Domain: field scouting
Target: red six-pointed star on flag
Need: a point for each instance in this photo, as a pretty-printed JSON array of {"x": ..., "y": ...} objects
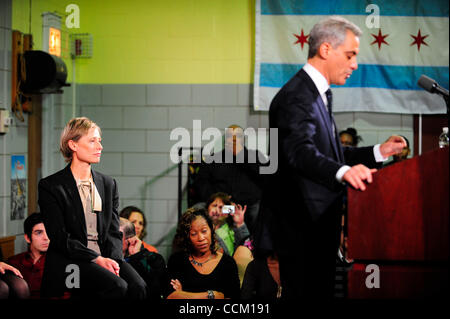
[
  {"x": 419, "y": 40},
  {"x": 302, "y": 38},
  {"x": 379, "y": 39}
]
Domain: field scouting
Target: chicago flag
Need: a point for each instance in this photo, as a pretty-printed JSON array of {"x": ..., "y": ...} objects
[{"x": 401, "y": 40}]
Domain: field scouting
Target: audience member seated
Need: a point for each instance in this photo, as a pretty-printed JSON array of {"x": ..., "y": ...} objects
[
  {"x": 240, "y": 179},
  {"x": 402, "y": 156},
  {"x": 199, "y": 270},
  {"x": 350, "y": 137},
  {"x": 149, "y": 265},
  {"x": 230, "y": 229},
  {"x": 137, "y": 217},
  {"x": 31, "y": 263},
  {"x": 12, "y": 284},
  {"x": 262, "y": 278}
]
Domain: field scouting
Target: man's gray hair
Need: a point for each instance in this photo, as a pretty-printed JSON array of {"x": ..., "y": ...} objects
[
  {"x": 332, "y": 30},
  {"x": 127, "y": 228}
]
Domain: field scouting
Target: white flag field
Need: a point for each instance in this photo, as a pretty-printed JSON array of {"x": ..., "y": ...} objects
[{"x": 401, "y": 40}]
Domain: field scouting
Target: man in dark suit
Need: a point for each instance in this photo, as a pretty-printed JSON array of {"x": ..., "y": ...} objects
[{"x": 306, "y": 192}]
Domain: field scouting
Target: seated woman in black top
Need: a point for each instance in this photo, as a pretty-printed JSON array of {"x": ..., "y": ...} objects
[{"x": 199, "y": 271}]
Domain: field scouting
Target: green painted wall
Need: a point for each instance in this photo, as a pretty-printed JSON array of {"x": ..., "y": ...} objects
[{"x": 154, "y": 41}]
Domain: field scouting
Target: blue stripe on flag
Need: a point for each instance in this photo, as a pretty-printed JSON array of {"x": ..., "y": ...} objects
[
  {"x": 431, "y": 8},
  {"x": 368, "y": 75}
]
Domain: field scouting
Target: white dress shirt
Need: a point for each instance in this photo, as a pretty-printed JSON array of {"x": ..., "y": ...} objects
[{"x": 322, "y": 86}]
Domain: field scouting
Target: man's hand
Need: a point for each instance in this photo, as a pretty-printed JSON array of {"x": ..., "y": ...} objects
[
  {"x": 134, "y": 245},
  {"x": 393, "y": 145},
  {"x": 357, "y": 174},
  {"x": 108, "y": 264}
]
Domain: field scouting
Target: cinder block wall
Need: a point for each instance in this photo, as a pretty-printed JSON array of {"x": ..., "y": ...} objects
[
  {"x": 136, "y": 121},
  {"x": 15, "y": 141},
  {"x": 377, "y": 127}
]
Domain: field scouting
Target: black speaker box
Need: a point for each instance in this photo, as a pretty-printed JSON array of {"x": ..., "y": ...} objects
[{"x": 40, "y": 72}]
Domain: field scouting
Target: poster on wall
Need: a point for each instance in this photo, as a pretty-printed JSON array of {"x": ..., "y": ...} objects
[{"x": 18, "y": 186}]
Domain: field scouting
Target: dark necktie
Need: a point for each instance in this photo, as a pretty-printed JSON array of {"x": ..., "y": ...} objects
[
  {"x": 330, "y": 102},
  {"x": 330, "y": 110}
]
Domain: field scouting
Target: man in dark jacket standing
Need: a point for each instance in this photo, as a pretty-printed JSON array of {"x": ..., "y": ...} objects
[
  {"x": 306, "y": 192},
  {"x": 237, "y": 174}
]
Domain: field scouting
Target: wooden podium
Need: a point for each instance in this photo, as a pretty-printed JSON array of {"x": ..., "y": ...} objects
[{"x": 401, "y": 224}]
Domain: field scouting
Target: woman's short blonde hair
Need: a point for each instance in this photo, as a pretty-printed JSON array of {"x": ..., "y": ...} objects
[{"x": 74, "y": 130}]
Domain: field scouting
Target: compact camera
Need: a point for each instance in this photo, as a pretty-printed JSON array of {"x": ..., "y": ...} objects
[{"x": 228, "y": 209}]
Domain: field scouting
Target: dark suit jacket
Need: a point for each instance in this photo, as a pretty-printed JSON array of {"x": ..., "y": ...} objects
[
  {"x": 305, "y": 184},
  {"x": 64, "y": 220}
]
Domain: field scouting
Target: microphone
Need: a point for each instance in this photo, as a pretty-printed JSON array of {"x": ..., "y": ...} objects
[{"x": 431, "y": 86}]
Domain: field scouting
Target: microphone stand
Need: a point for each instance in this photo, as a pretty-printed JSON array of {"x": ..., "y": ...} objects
[
  {"x": 446, "y": 102},
  {"x": 448, "y": 109},
  {"x": 444, "y": 93}
]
